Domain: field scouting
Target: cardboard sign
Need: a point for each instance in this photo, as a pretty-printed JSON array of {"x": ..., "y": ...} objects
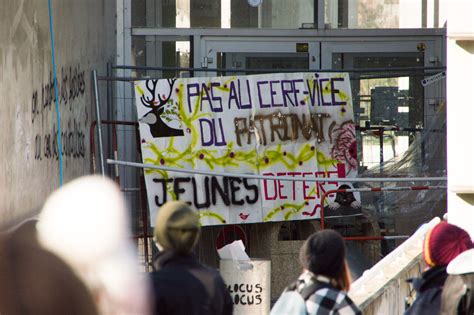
[
  {"x": 297, "y": 125},
  {"x": 249, "y": 285}
]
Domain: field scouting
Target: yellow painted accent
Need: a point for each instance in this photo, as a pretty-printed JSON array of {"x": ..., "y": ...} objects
[
  {"x": 426, "y": 249},
  {"x": 139, "y": 89},
  {"x": 203, "y": 214}
]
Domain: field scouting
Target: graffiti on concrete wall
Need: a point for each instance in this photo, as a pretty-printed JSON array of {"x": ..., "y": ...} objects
[{"x": 74, "y": 115}]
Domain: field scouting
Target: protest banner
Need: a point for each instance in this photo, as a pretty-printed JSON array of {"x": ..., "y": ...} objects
[{"x": 290, "y": 124}]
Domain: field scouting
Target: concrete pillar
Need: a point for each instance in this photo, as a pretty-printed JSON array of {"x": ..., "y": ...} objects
[{"x": 460, "y": 113}]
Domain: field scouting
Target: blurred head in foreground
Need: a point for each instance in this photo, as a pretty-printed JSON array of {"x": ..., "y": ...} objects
[{"x": 86, "y": 223}]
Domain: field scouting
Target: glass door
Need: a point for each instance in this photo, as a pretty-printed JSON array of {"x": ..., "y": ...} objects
[
  {"x": 400, "y": 122},
  {"x": 250, "y": 62},
  {"x": 257, "y": 53},
  {"x": 390, "y": 104}
]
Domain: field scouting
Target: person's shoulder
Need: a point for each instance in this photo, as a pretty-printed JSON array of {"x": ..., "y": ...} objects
[
  {"x": 347, "y": 306},
  {"x": 166, "y": 277},
  {"x": 329, "y": 299},
  {"x": 160, "y": 277}
]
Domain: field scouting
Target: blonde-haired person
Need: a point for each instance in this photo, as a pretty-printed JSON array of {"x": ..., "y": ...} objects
[
  {"x": 183, "y": 285},
  {"x": 323, "y": 258}
]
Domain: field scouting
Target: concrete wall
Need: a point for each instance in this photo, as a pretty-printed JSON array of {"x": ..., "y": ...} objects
[
  {"x": 396, "y": 292},
  {"x": 460, "y": 114},
  {"x": 84, "y": 36}
]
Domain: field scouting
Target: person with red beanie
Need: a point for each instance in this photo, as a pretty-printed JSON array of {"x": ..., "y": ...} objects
[{"x": 441, "y": 245}]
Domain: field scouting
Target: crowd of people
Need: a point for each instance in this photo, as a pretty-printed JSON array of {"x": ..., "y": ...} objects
[{"x": 78, "y": 257}]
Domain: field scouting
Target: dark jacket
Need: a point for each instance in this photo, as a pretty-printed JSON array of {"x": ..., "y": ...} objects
[
  {"x": 182, "y": 285},
  {"x": 428, "y": 292}
]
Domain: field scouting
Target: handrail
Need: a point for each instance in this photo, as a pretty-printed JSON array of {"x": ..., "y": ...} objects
[{"x": 373, "y": 282}]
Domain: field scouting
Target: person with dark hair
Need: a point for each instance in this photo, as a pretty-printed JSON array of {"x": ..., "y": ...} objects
[
  {"x": 441, "y": 245},
  {"x": 326, "y": 277},
  {"x": 182, "y": 285},
  {"x": 37, "y": 282}
]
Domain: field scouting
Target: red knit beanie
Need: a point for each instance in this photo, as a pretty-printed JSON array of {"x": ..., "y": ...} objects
[{"x": 443, "y": 243}]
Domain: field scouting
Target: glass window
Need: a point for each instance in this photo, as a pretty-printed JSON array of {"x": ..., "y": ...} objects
[
  {"x": 222, "y": 13},
  {"x": 155, "y": 13},
  {"x": 287, "y": 14},
  {"x": 385, "y": 13},
  {"x": 388, "y": 106},
  {"x": 263, "y": 61},
  {"x": 152, "y": 52}
]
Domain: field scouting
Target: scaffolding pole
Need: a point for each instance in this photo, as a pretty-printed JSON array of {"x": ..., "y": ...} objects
[{"x": 282, "y": 178}]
